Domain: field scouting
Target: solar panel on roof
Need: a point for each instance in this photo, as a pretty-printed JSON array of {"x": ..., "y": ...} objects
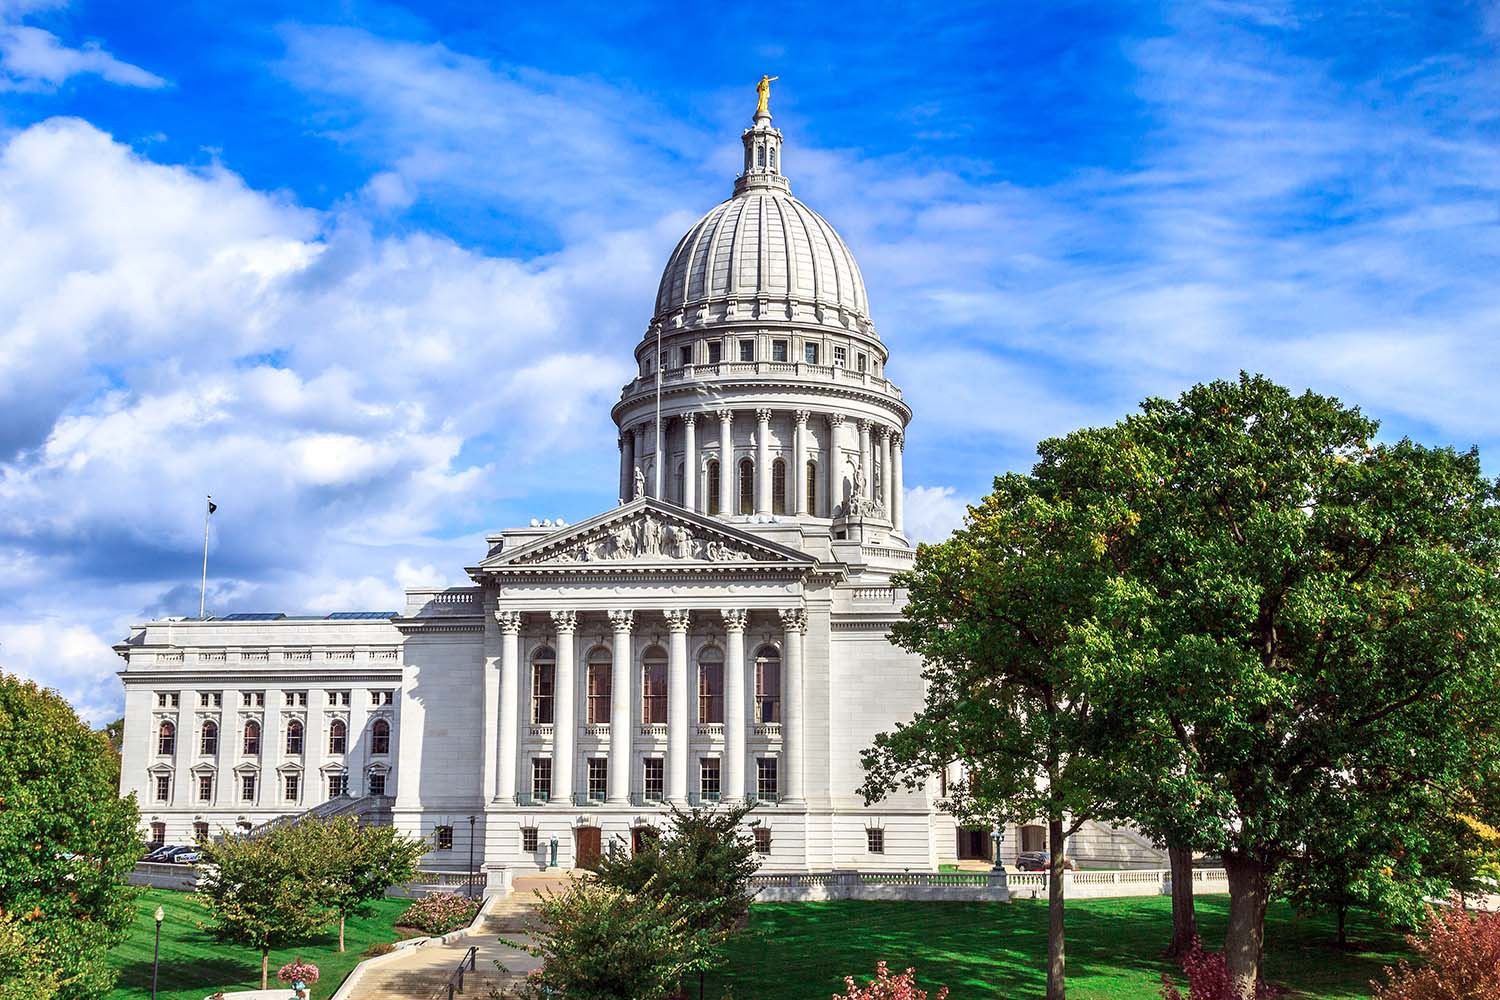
[
  {"x": 253, "y": 616},
  {"x": 351, "y": 616}
]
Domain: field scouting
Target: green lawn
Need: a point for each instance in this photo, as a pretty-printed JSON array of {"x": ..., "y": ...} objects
[
  {"x": 193, "y": 964},
  {"x": 803, "y": 950}
]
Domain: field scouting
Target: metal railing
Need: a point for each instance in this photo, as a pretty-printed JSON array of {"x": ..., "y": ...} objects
[{"x": 466, "y": 964}]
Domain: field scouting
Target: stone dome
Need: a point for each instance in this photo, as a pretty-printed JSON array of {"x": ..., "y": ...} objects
[{"x": 762, "y": 255}]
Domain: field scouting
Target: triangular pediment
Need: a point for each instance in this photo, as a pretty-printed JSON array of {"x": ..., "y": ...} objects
[{"x": 647, "y": 532}]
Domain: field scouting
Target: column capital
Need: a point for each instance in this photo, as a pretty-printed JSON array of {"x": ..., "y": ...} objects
[
  {"x": 509, "y": 622},
  {"x": 793, "y": 619},
  {"x": 690, "y": 418},
  {"x": 801, "y": 417},
  {"x": 763, "y": 415},
  {"x": 881, "y": 432},
  {"x": 898, "y": 440},
  {"x": 735, "y": 619},
  {"x": 726, "y": 415},
  {"x": 836, "y": 419},
  {"x": 621, "y": 621},
  {"x": 678, "y": 621},
  {"x": 565, "y": 621},
  {"x": 863, "y": 423}
]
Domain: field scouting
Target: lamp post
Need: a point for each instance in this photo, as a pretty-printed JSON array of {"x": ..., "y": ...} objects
[
  {"x": 997, "y": 834},
  {"x": 156, "y": 954},
  {"x": 471, "y": 857}
]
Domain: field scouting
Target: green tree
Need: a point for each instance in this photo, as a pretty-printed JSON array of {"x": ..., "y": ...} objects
[
  {"x": 357, "y": 862},
  {"x": 264, "y": 891},
  {"x": 67, "y": 839},
  {"x": 1005, "y": 616},
  {"x": 25, "y": 971},
  {"x": 1322, "y": 629}
]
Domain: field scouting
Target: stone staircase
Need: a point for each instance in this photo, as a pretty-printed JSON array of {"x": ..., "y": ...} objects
[
  {"x": 423, "y": 973},
  {"x": 374, "y": 810}
]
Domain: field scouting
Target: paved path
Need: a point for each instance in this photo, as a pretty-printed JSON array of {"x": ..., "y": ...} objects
[{"x": 423, "y": 974}]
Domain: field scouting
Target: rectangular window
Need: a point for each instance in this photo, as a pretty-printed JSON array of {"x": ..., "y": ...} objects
[
  {"x": 778, "y": 350},
  {"x": 338, "y": 698},
  {"x": 442, "y": 838},
  {"x": 200, "y": 832},
  {"x": 541, "y": 778},
  {"x": 529, "y": 839},
  {"x": 864, "y": 362},
  {"x": 599, "y": 681},
  {"x": 163, "y": 787},
  {"x": 715, "y": 352},
  {"x": 293, "y": 784},
  {"x": 654, "y": 694},
  {"x": 541, "y": 693},
  {"x": 598, "y": 786},
  {"x": 654, "y": 783},
  {"x": 840, "y": 357},
  {"x": 338, "y": 784},
  {"x": 765, "y": 779},
  {"x": 875, "y": 841},
  {"x": 205, "y": 788},
  {"x": 247, "y": 788},
  {"x": 747, "y": 350},
  {"x": 158, "y": 834},
  {"x": 253, "y": 699},
  {"x": 762, "y": 840},
  {"x": 377, "y": 782},
  {"x": 297, "y": 699},
  {"x": 207, "y": 699},
  {"x": 166, "y": 699},
  {"x": 710, "y": 693},
  {"x": 708, "y": 779},
  {"x": 810, "y": 353}
]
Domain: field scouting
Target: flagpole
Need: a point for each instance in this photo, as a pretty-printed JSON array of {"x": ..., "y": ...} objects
[{"x": 203, "y": 589}]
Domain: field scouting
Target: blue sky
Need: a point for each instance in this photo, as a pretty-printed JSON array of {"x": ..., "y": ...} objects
[{"x": 371, "y": 274}]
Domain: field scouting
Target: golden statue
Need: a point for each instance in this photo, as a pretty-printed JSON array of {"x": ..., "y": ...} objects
[{"x": 763, "y": 90}]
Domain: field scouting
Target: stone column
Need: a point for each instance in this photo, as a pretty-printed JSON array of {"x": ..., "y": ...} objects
[
  {"x": 489, "y": 774},
  {"x": 883, "y": 438},
  {"x": 620, "y": 690},
  {"x": 834, "y": 461},
  {"x": 677, "y": 706},
  {"x": 727, "y": 474},
  {"x": 314, "y": 746},
  {"x": 627, "y": 464},
  {"x": 799, "y": 462},
  {"x": 898, "y": 483},
  {"x": 793, "y": 624},
  {"x": 734, "y": 704},
  {"x": 564, "y": 720},
  {"x": 690, "y": 461},
  {"x": 763, "y": 461},
  {"x": 510, "y": 693},
  {"x": 864, "y": 457}
]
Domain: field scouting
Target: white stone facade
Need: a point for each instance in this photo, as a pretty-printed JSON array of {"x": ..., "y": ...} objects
[{"x": 720, "y": 634}]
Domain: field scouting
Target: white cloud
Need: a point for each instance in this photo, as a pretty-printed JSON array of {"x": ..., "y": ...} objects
[
  {"x": 932, "y": 513},
  {"x": 70, "y": 659},
  {"x": 34, "y": 59}
]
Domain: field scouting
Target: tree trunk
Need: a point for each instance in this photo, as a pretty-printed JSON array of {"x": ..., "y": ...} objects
[
  {"x": 265, "y": 963},
  {"x": 1184, "y": 916},
  {"x": 341, "y": 932},
  {"x": 1343, "y": 935},
  {"x": 1245, "y": 939},
  {"x": 1056, "y": 959}
]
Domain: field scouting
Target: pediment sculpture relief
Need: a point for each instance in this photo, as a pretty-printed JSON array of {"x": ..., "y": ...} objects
[{"x": 643, "y": 538}]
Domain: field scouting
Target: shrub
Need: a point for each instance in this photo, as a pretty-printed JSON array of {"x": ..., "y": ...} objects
[
  {"x": 1461, "y": 952},
  {"x": 379, "y": 948},
  {"x": 1207, "y": 975},
  {"x": 439, "y": 913},
  {"x": 887, "y": 987},
  {"x": 298, "y": 969}
]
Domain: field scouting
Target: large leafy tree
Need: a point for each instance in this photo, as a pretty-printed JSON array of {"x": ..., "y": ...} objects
[
  {"x": 1324, "y": 639},
  {"x": 67, "y": 840},
  {"x": 1005, "y": 616},
  {"x": 357, "y": 862},
  {"x": 264, "y": 891}
]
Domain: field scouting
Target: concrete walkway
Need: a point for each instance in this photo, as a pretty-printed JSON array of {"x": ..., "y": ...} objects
[{"x": 423, "y": 973}]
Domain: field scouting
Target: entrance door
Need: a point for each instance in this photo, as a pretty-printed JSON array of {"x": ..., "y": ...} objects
[
  {"x": 588, "y": 847},
  {"x": 1033, "y": 838},
  {"x": 973, "y": 845}
]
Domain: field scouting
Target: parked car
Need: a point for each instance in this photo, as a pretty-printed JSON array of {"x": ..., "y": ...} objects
[
  {"x": 1033, "y": 861},
  {"x": 160, "y": 854},
  {"x": 187, "y": 856}
]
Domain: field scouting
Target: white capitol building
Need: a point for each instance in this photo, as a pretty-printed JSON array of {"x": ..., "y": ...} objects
[{"x": 721, "y": 634}]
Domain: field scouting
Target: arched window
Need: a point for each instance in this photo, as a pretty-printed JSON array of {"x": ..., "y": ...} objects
[
  {"x": 599, "y": 666},
  {"x": 252, "y": 738},
  {"x": 710, "y": 686},
  {"x": 294, "y": 737},
  {"x": 760, "y": 156},
  {"x": 166, "y": 739},
  {"x": 680, "y": 493},
  {"x": 713, "y": 487},
  {"x": 208, "y": 740},
  {"x": 338, "y": 736},
  {"x": 543, "y": 671},
  {"x": 778, "y": 487},
  {"x": 773, "y": 157},
  {"x": 654, "y": 686},
  {"x": 812, "y": 488},
  {"x": 380, "y": 737},
  {"x": 768, "y": 684},
  {"x": 747, "y": 486},
  {"x": 878, "y": 475}
]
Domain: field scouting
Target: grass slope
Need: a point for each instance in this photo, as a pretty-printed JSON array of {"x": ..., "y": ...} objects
[
  {"x": 193, "y": 964},
  {"x": 803, "y": 950}
]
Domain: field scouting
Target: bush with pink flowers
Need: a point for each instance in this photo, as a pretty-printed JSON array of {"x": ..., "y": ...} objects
[
  {"x": 439, "y": 913},
  {"x": 1460, "y": 958},
  {"x": 888, "y": 987},
  {"x": 1207, "y": 975},
  {"x": 298, "y": 969}
]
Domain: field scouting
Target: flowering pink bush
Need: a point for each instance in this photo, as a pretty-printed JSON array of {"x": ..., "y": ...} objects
[
  {"x": 298, "y": 969},
  {"x": 1207, "y": 975},
  {"x": 1460, "y": 952},
  {"x": 439, "y": 913},
  {"x": 887, "y": 987}
]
